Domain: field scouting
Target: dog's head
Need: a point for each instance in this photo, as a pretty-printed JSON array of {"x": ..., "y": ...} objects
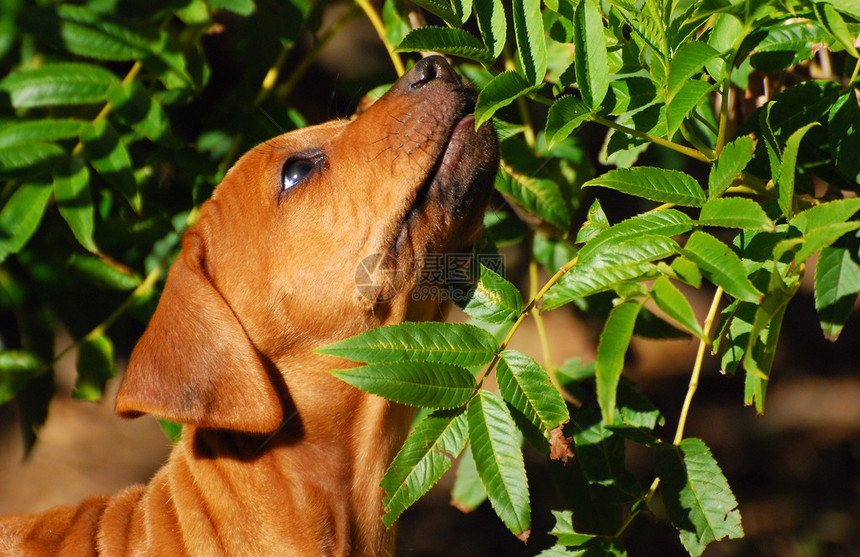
[{"x": 314, "y": 236}]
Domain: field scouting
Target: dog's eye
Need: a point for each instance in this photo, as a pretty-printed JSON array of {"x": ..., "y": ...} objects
[{"x": 295, "y": 171}]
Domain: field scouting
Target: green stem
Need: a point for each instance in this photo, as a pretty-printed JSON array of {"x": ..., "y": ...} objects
[
  {"x": 378, "y": 24},
  {"x": 653, "y": 139},
  {"x": 853, "y": 79}
]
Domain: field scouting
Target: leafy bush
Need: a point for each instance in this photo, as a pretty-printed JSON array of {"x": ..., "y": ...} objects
[{"x": 731, "y": 95}]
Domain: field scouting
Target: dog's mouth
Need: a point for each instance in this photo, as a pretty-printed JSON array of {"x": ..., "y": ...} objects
[{"x": 453, "y": 192}]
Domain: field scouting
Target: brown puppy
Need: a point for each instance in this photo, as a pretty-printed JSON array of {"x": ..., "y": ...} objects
[{"x": 278, "y": 457}]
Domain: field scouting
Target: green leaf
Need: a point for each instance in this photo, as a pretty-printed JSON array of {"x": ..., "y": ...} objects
[
  {"x": 43, "y": 129},
  {"x": 732, "y": 160},
  {"x": 837, "y": 282},
  {"x": 656, "y": 184},
  {"x": 492, "y": 24},
  {"x": 494, "y": 299},
  {"x": 661, "y": 222},
  {"x": 525, "y": 385},
  {"x": 831, "y": 212},
  {"x": 687, "y": 271},
  {"x": 830, "y": 19},
  {"x": 85, "y": 33},
  {"x": 468, "y": 492},
  {"x": 611, "y": 349},
  {"x": 455, "y": 42},
  {"x": 95, "y": 367},
  {"x": 618, "y": 263},
  {"x": 241, "y": 7},
  {"x": 590, "y": 59},
  {"x": 102, "y": 272},
  {"x": 821, "y": 237},
  {"x": 451, "y": 343},
  {"x": 136, "y": 109},
  {"x": 21, "y": 215},
  {"x": 843, "y": 134},
  {"x": 564, "y": 116},
  {"x": 72, "y": 194},
  {"x": 29, "y": 158},
  {"x": 108, "y": 155},
  {"x": 442, "y": 9},
  {"x": 565, "y": 532},
  {"x": 669, "y": 299},
  {"x": 735, "y": 212},
  {"x": 783, "y": 45},
  {"x": 425, "y": 384},
  {"x": 531, "y": 42},
  {"x": 426, "y": 454},
  {"x": 501, "y": 91},
  {"x": 697, "y": 496},
  {"x": 58, "y": 84},
  {"x": 785, "y": 180},
  {"x": 595, "y": 223},
  {"x": 499, "y": 460},
  {"x": 539, "y": 196},
  {"x": 720, "y": 265},
  {"x": 17, "y": 367},
  {"x": 687, "y": 98},
  {"x": 686, "y": 62}
]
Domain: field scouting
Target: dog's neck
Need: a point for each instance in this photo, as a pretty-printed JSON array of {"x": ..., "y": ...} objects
[{"x": 318, "y": 488}]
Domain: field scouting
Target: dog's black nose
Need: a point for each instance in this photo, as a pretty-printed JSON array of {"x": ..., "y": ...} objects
[{"x": 432, "y": 68}]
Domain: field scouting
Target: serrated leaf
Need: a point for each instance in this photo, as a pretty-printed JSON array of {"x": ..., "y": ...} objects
[
  {"x": 630, "y": 93},
  {"x": 831, "y": 212},
  {"x": 590, "y": 59},
  {"x": 564, "y": 116},
  {"x": 818, "y": 238},
  {"x": 686, "y": 271},
  {"x": 452, "y": 343},
  {"x": 735, "y": 212},
  {"x": 499, "y": 460},
  {"x": 731, "y": 162},
  {"x": 669, "y": 299},
  {"x": 425, "y": 456},
  {"x": 95, "y": 367},
  {"x": 136, "y": 109},
  {"x": 698, "y": 498},
  {"x": 686, "y": 62},
  {"x": 492, "y": 24},
  {"x": 530, "y": 39},
  {"x": 720, "y": 265},
  {"x": 539, "y": 196},
  {"x": 86, "y": 33},
  {"x": 837, "y": 282},
  {"x": 662, "y": 222},
  {"x": 657, "y": 184},
  {"x": 843, "y": 134},
  {"x": 626, "y": 261},
  {"x": 525, "y": 385},
  {"x": 17, "y": 367},
  {"x": 785, "y": 180},
  {"x": 684, "y": 101},
  {"x": 455, "y": 42},
  {"x": 501, "y": 91},
  {"x": 830, "y": 19},
  {"x": 611, "y": 349},
  {"x": 58, "y": 84},
  {"x": 108, "y": 155},
  {"x": 43, "y": 129},
  {"x": 425, "y": 384},
  {"x": 468, "y": 492},
  {"x": 72, "y": 194},
  {"x": 21, "y": 215},
  {"x": 494, "y": 299}
]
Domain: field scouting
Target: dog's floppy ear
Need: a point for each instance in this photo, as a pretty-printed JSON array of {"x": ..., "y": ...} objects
[{"x": 194, "y": 364}]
